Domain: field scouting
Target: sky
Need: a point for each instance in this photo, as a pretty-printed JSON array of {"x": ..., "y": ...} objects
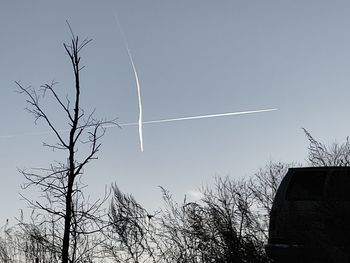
[{"x": 192, "y": 58}]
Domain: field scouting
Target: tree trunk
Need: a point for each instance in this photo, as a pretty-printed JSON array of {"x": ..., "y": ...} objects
[{"x": 67, "y": 222}]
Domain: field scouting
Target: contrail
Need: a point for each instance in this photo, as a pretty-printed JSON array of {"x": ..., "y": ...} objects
[
  {"x": 136, "y": 79},
  {"x": 151, "y": 122},
  {"x": 10, "y": 136},
  {"x": 198, "y": 117}
]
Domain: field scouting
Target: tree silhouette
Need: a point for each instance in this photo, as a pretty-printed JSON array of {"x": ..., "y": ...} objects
[{"x": 60, "y": 184}]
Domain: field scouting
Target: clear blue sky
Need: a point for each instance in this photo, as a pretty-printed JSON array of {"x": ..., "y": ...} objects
[{"x": 193, "y": 58}]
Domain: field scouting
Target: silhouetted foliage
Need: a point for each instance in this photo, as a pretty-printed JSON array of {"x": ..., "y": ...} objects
[
  {"x": 337, "y": 154},
  {"x": 263, "y": 186},
  {"x": 128, "y": 230},
  {"x": 222, "y": 227}
]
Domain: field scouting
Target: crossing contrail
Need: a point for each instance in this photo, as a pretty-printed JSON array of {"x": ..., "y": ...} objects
[
  {"x": 216, "y": 115},
  {"x": 140, "y": 121},
  {"x": 136, "y": 79}
]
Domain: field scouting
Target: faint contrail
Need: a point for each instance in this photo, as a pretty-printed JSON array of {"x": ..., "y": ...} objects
[
  {"x": 9, "y": 136},
  {"x": 136, "y": 79},
  {"x": 149, "y": 122}
]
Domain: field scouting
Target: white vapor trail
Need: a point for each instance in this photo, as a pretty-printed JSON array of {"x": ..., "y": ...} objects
[
  {"x": 216, "y": 115},
  {"x": 136, "y": 79},
  {"x": 199, "y": 117}
]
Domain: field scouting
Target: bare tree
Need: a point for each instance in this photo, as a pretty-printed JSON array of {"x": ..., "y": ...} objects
[
  {"x": 232, "y": 222},
  {"x": 131, "y": 232},
  {"x": 221, "y": 227},
  {"x": 175, "y": 230},
  {"x": 9, "y": 244},
  {"x": 337, "y": 154},
  {"x": 60, "y": 184},
  {"x": 263, "y": 185}
]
